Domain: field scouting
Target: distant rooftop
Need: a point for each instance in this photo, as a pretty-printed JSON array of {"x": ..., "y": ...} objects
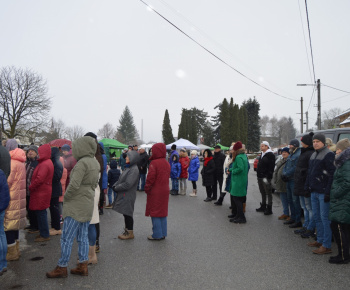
[
  {"x": 345, "y": 112},
  {"x": 346, "y": 121}
]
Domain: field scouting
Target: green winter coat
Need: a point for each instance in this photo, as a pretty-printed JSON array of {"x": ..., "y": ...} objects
[
  {"x": 339, "y": 210},
  {"x": 239, "y": 175},
  {"x": 78, "y": 200}
]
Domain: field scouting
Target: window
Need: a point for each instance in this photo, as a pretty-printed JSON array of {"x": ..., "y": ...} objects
[{"x": 343, "y": 136}]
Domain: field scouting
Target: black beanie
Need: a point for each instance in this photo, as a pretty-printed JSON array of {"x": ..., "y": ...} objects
[
  {"x": 90, "y": 134},
  {"x": 321, "y": 137},
  {"x": 173, "y": 147},
  {"x": 294, "y": 142},
  {"x": 307, "y": 139}
]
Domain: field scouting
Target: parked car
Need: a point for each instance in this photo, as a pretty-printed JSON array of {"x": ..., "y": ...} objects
[
  {"x": 334, "y": 134},
  {"x": 256, "y": 161}
]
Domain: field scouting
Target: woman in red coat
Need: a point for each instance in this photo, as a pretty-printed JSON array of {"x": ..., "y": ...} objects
[
  {"x": 157, "y": 189},
  {"x": 185, "y": 163}
]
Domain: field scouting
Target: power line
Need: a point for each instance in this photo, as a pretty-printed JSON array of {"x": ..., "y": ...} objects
[
  {"x": 214, "y": 55},
  {"x": 312, "y": 96},
  {"x": 312, "y": 55},
  {"x": 336, "y": 98},
  {"x": 336, "y": 89}
]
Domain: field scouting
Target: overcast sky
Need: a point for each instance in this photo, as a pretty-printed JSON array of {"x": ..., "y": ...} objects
[{"x": 99, "y": 56}]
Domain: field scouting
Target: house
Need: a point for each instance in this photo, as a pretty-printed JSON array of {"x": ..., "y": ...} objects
[{"x": 344, "y": 119}]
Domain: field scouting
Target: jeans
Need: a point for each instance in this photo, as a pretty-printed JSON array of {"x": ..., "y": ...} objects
[
  {"x": 74, "y": 229},
  {"x": 142, "y": 180},
  {"x": 55, "y": 213},
  {"x": 296, "y": 202},
  {"x": 41, "y": 216},
  {"x": 285, "y": 203},
  {"x": 175, "y": 184},
  {"x": 110, "y": 191},
  {"x": 312, "y": 224},
  {"x": 323, "y": 224},
  {"x": 160, "y": 227},
  {"x": 92, "y": 235},
  {"x": 3, "y": 242},
  {"x": 290, "y": 188},
  {"x": 265, "y": 190}
]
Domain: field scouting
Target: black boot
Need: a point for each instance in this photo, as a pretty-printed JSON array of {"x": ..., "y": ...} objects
[
  {"x": 268, "y": 210},
  {"x": 176, "y": 192},
  {"x": 219, "y": 202},
  {"x": 262, "y": 208}
]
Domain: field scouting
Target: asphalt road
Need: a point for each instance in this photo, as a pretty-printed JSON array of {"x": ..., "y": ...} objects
[{"x": 203, "y": 250}]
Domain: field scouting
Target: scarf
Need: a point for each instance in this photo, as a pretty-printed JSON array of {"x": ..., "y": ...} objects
[{"x": 206, "y": 160}]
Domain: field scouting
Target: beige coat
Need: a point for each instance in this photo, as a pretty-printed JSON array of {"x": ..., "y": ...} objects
[{"x": 227, "y": 163}]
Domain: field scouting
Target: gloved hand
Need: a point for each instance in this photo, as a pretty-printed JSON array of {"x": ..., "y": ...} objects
[{"x": 327, "y": 198}]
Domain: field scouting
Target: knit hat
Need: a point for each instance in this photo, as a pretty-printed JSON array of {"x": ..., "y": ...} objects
[
  {"x": 65, "y": 147},
  {"x": 329, "y": 142},
  {"x": 266, "y": 143},
  {"x": 237, "y": 146},
  {"x": 90, "y": 134},
  {"x": 173, "y": 147},
  {"x": 294, "y": 142},
  {"x": 34, "y": 148},
  {"x": 343, "y": 144},
  {"x": 307, "y": 139},
  {"x": 11, "y": 144},
  {"x": 285, "y": 149},
  {"x": 320, "y": 137},
  {"x": 194, "y": 152}
]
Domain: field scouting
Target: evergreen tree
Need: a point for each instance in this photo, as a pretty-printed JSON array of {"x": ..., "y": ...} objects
[
  {"x": 243, "y": 124},
  {"x": 233, "y": 120},
  {"x": 253, "y": 141},
  {"x": 126, "y": 131},
  {"x": 225, "y": 130},
  {"x": 167, "y": 132},
  {"x": 236, "y": 126},
  {"x": 183, "y": 130},
  {"x": 208, "y": 134},
  {"x": 216, "y": 123}
]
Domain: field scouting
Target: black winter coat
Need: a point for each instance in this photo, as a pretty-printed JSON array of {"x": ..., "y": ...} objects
[
  {"x": 5, "y": 161},
  {"x": 301, "y": 170},
  {"x": 143, "y": 162},
  {"x": 266, "y": 166},
  {"x": 57, "y": 173},
  {"x": 207, "y": 173},
  {"x": 113, "y": 173},
  {"x": 219, "y": 160}
]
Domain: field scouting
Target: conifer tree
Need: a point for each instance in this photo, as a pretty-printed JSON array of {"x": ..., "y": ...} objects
[
  {"x": 167, "y": 132},
  {"x": 208, "y": 134},
  {"x": 243, "y": 124},
  {"x": 253, "y": 139},
  {"x": 225, "y": 130},
  {"x": 126, "y": 131}
]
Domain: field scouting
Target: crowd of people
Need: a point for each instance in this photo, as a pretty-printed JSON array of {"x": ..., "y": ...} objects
[{"x": 73, "y": 183}]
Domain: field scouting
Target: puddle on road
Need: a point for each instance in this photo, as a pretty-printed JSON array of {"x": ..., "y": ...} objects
[{"x": 36, "y": 258}]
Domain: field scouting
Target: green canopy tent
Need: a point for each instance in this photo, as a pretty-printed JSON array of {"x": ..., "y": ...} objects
[
  {"x": 113, "y": 148},
  {"x": 224, "y": 148}
]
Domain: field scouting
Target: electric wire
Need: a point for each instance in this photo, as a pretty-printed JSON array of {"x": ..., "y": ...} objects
[
  {"x": 308, "y": 25},
  {"x": 312, "y": 96},
  {"x": 336, "y": 89},
  {"x": 336, "y": 98},
  {"x": 214, "y": 55}
]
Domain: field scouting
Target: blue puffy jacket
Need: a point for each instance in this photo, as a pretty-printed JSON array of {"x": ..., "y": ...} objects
[
  {"x": 104, "y": 173},
  {"x": 175, "y": 168},
  {"x": 4, "y": 192},
  {"x": 291, "y": 164},
  {"x": 193, "y": 169}
]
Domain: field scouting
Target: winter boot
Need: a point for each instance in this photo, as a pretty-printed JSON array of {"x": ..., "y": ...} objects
[
  {"x": 92, "y": 255},
  {"x": 268, "y": 210},
  {"x": 127, "y": 235},
  {"x": 97, "y": 249},
  {"x": 81, "y": 269},
  {"x": 12, "y": 254},
  {"x": 219, "y": 202},
  {"x": 176, "y": 192},
  {"x": 17, "y": 248},
  {"x": 244, "y": 204},
  {"x": 58, "y": 272},
  {"x": 262, "y": 208},
  {"x": 194, "y": 192}
]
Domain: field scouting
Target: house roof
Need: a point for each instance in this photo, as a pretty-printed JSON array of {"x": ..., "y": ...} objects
[
  {"x": 345, "y": 112},
  {"x": 346, "y": 121}
]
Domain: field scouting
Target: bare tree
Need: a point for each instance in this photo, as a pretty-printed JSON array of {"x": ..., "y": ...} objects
[
  {"x": 74, "y": 132},
  {"x": 329, "y": 118},
  {"x": 107, "y": 131},
  {"x": 264, "y": 121},
  {"x": 24, "y": 104}
]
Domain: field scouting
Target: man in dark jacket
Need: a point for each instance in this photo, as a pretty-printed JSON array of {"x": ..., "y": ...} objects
[
  {"x": 265, "y": 170},
  {"x": 113, "y": 177},
  {"x": 5, "y": 160},
  {"x": 288, "y": 176},
  {"x": 142, "y": 165},
  {"x": 318, "y": 183},
  {"x": 219, "y": 160}
]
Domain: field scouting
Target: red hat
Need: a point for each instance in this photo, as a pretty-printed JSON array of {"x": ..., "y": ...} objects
[{"x": 237, "y": 146}]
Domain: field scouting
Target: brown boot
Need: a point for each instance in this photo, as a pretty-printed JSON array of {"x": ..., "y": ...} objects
[
  {"x": 322, "y": 250},
  {"x": 81, "y": 269},
  {"x": 127, "y": 235},
  {"x": 92, "y": 255},
  {"x": 244, "y": 207},
  {"x": 314, "y": 244},
  {"x": 17, "y": 248},
  {"x": 58, "y": 272},
  {"x": 12, "y": 254},
  {"x": 40, "y": 239}
]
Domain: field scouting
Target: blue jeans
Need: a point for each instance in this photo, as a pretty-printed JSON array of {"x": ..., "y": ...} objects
[
  {"x": 297, "y": 207},
  {"x": 160, "y": 227},
  {"x": 309, "y": 222},
  {"x": 92, "y": 234},
  {"x": 285, "y": 203},
  {"x": 175, "y": 184},
  {"x": 74, "y": 229},
  {"x": 142, "y": 180},
  {"x": 3, "y": 242},
  {"x": 320, "y": 215},
  {"x": 41, "y": 216},
  {"x": 110, "y": 191},
  {"x": 290, "y": 188}
]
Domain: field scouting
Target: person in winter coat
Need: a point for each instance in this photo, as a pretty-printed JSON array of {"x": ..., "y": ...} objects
[
  {"x": 143, "y": 165},
  {"x": 193, "y": 171},
  {"x": 339, "y": 212},
  {"x": 208, "y": 172},
  {"x": 228, "y": 161},
  {"x": 300, "y": 175},
  {"x": 265, "y": 169},
  {"x": 157, "y": 191},
  {"x": 104, "y": 178},
  {"x": 15, "y": 216},
  {"x": 239, "y": 180},
  {"x": 31, "y": 163},
  {"x": 281, "y": 186},
  {"x": 64, "y": 186},
  {"x": 219, "y": 160},
  {"x": 288, "y": 176},
  {"x": 40, "y": 191},
  {"x": 69, "y": 160},
  {"x": 5, "y": 160},
  {"x": 113, "y": 177},
  {"x": 175, "y": 175},
  {"x": 56, "y": 192},
  {"x": 185, "y": 163},
  {"x": 172, "y": 153},
  {"x": 318, "y": 182},
  {"x": 78, "y": 207},
  {"x": 122, "y": 159},
  {"x": 126, "y": 193},
  {"x": 4, "y": 203}
]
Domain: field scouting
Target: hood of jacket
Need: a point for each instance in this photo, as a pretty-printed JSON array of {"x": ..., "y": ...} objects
[
  {"x": 158, "y": 151},
  {"x": 341, "y": 158},
  {"x": 55, "y": 153},
  {"x": 44, "y": 152},
  {"x": 102, "y": 147},
  {"x": 114, "y": 164},
  {"x": 134, "y": 157},
  {"x": 18, "y": 154},
  {"x": 84, "y": 146}
]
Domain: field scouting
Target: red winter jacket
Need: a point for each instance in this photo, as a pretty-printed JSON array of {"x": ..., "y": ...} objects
[
  {"x": 41, "y": 184},
  {"x": 185, "y": 163},
  {"x": 157, "y": 183}
]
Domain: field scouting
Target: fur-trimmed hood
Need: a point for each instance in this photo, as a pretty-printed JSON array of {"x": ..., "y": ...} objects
[{"x": 342, "y": 157}]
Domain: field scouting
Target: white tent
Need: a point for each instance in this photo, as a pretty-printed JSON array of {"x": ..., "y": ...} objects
[
  {"x": 146, "y": 146},
  {"x": 203, "y": 147},
  {"x": 181, "y": 143}
]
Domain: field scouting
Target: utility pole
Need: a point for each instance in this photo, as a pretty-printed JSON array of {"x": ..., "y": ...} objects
[
  {"x": 319, "y": 104},
  {"x": 302, "y": 116},
  {"x": 307, "y": 121}
]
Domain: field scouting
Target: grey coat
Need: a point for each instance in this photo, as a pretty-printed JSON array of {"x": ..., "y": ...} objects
[
  {"x": 277, "y": 183},
  {"x": 126, "y": 186}
]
